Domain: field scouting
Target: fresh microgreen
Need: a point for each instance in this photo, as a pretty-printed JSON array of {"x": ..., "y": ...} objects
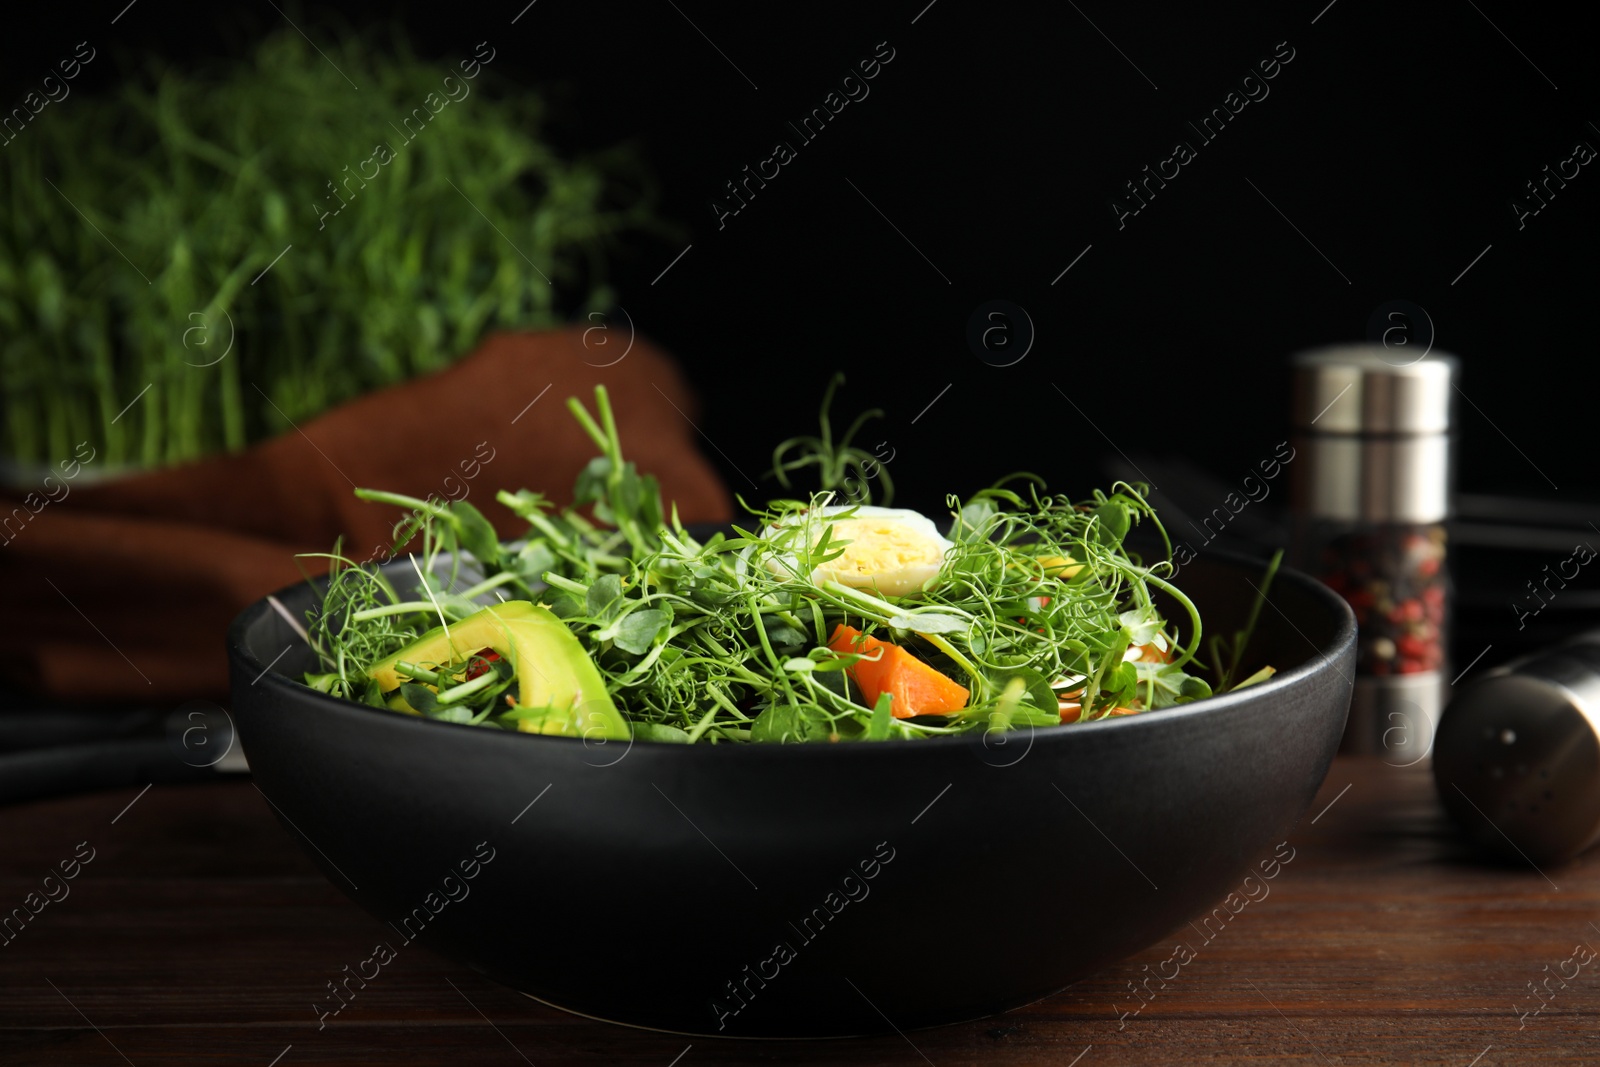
[
  {"x": 240, "y": 244},
  {"x": 1227, "y": 652},
  {"x": 724, "y": 638},
  {"x": 840, "y": 464}
]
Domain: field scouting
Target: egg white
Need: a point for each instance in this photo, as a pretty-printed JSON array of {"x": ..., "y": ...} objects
[{"x": 892, "y": 551}]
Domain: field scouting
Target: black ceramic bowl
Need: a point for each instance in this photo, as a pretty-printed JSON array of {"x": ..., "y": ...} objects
[{"x": 803, "y": 890}]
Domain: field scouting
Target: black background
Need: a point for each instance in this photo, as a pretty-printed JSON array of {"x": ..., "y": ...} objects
[{"x": 1395, "y": 141}]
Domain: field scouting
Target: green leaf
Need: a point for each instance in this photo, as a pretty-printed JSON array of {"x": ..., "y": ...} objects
[
  {"x": 784, "y": 637},
  {"x": 1114, "y": 523},
  {"x": 638, "y": 629},
  {"x": 837, "y": 682},
  {"x": 1260, "y": 676},
  {"x": 591, "y": 483},
  {"x": 974, "y": 517},
  {"x": 649, "y": 514},
  {"x": 562, "y": 604},
  {"x": 532, "y": 563},
  {"x": 1008, "y": 705},
  {"x": 1036, "y": 688},
  {"x": 420, "y": 697},
  {"x": 372, "y": 693},
  {"x": 882, "y": 718},
  {"x": 1141, "y": 625},
  {"x": 1120, "y": 683},
  {"x": 476, "y": 533},
  {"x": 626, "y": 496},
  {"x": 1165, "y": 685},
  {"x": 786, "y": 723},
  {"x": 601, "y": 603}
]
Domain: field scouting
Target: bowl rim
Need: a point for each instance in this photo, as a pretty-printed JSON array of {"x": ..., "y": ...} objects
[{"x": 1321, "y": 659}]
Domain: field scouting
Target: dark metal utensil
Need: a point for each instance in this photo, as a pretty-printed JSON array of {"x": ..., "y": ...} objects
[{"x": 47, "y": 751}]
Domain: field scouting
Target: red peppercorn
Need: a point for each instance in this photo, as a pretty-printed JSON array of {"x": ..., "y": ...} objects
[{"x": 1395, "y": 582}]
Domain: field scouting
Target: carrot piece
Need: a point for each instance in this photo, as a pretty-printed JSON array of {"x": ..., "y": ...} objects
[{"x": 916, "y": 688}]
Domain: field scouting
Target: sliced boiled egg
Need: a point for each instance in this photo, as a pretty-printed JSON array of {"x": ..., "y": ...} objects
[{"x": 893, "y": 551}]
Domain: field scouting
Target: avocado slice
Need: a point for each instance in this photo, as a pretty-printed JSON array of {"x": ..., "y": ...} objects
[{"x": 560, "y": 690}]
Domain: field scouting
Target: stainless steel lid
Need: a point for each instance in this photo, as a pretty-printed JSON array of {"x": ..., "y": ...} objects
[
  {"x": 1372, "y": 479},
  {"x": 1371, "y": 389},
  {"x": 1517, "y": 754},
  {"x": 1373, "y": 429}
]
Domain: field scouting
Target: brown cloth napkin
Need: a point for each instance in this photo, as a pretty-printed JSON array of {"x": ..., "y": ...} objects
[{"x": 123, "y": 590}]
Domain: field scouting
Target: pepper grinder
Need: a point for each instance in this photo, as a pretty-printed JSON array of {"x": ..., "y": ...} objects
[{"x": 1370, "y": 495}]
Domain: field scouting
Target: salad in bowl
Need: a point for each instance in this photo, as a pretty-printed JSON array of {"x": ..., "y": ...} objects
[{"x": 817, "y": 619}]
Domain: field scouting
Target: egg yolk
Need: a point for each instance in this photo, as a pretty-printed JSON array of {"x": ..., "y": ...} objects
[{"x": 882, "y": 553}]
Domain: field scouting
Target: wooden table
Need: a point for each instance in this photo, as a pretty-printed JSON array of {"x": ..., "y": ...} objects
[{"x": 199, "y": 934}]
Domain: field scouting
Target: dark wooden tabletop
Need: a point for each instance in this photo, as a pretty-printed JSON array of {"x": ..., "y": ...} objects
[{"x": 195, "y": 932}]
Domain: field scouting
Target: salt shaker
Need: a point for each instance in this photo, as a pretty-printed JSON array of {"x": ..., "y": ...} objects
[
  {"x": 1370, "y": 496},
  {"x": 1517, "y": 759}
]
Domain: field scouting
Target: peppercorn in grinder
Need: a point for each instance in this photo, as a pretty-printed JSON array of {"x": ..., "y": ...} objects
[{"x": 1370, "y": 496}]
